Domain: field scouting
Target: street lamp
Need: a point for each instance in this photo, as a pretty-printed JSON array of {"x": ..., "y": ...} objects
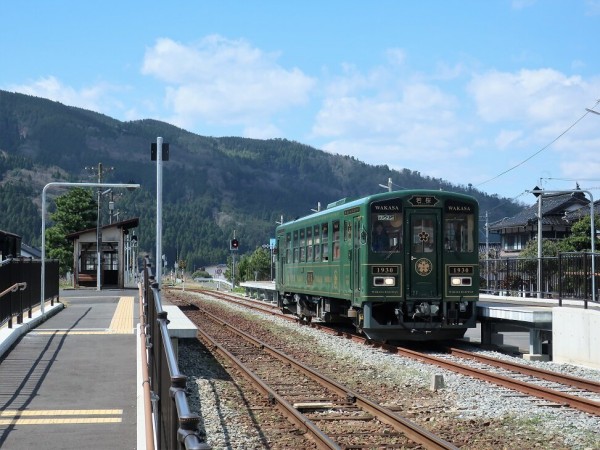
[
  {"x": 539, "y": 193},
  {"x": 65, "y": 184}
]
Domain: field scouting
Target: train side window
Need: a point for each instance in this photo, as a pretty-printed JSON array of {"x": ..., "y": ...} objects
[
  {"x": 325, "y": 242},
  {"x": 302, "y": 246},
  {"x": 309, "y": 245},
  {"x": 336, "y": 240},
  {"x": 347, "y": 230},
  {"x": 288, "y": 249},
  {"x": 459, "y": 233},
  {"x": 296, "y": 249},
  {"x": 317, "y": 242}
]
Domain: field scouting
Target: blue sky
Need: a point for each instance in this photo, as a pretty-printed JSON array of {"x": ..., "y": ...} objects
[{"x": 490, "y": 93}]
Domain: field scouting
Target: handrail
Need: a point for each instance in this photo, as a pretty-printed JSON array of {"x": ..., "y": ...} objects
[
  {"x": 175, "y": 425},
  {"x": 149, "y": 424},
  {"x": 187, "y": 421},
  {"x": 14, "y": 288}
]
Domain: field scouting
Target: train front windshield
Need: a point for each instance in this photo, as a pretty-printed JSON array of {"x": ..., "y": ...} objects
[{"x": 386, "y": 232}]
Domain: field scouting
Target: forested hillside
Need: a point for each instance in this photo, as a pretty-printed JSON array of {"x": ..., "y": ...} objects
[{"x": 211, "y": 186}]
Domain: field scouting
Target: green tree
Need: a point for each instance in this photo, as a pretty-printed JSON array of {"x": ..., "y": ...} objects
[
  {"x": 549, "y": 248},
  {"x": 580, "y": 240},
  {"x": 75, "y": 211},
  {"x": 256, "y": 266}
]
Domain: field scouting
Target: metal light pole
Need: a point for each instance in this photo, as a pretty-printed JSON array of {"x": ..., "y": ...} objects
[
  {"x": 65, "y": 184},
  {"x": 539, "y": 193},
  {"x": 159, "y": 182}
]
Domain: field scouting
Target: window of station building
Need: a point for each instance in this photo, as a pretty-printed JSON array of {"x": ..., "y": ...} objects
[
  {"x": 317, "y": 243},
  {"x": 302, "y": 246},
  {"x": 89, "y": 260},
  {"x": 459, "y": 231},
  {"x": 325, "y": 242},
  {"x": 336, "y": 240},
  {"x": 296, "y": 248}
]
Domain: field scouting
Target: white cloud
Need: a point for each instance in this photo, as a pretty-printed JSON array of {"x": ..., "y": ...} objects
[
  {"x": 95, "y": 97},
  {"x": 507, "y": 137},
  {"x": 224, "y": 81},
  {"x": 592, "y": 7},
  {"x": 531, "y": 96}
]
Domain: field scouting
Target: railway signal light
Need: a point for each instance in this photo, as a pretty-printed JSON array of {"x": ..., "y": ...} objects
[{"x": 234, "y": 244}]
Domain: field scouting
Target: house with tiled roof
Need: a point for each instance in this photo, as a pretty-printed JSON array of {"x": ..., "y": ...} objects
[{"x": 559, "y": 212}]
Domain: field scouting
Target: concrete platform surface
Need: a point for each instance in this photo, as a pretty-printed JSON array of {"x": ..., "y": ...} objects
[{"x": 70, "y": 382}]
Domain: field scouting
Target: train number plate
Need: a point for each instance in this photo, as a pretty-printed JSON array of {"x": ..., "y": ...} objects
[
  {"x": 460, "y": 270},
  {"x": 379, "y": 270}
]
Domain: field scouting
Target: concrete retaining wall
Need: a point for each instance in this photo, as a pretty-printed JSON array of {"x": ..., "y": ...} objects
[{"x": 576, "y": 336}]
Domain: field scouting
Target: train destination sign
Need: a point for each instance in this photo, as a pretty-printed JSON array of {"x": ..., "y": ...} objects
[{"x": 423, "y": 200}]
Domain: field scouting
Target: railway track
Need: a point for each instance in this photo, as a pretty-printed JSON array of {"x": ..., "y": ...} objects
[
  {"x": 334, "y": 416},
  {"x": 577, "y": 393}
]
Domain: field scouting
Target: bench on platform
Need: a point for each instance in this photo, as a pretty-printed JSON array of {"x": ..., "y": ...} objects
[
  {"x": 180, "y": 327},
  {"x": 86, "y": 278}
]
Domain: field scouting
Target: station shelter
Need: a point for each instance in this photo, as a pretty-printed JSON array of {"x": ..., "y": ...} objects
[
  {"x": 10, "y": 245},
  {"x": 118, "y": 255}
]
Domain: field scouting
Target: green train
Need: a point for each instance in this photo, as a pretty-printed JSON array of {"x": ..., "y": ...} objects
[{"x": 400, "y": 266}]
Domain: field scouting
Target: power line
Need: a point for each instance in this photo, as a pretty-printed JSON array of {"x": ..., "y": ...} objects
[{"x": 587, "y": 111}]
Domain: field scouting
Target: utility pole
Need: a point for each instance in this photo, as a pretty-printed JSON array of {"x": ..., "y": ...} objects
[
  {"x": 100, "y": 174},
  {"x": 387, "y": 186}
]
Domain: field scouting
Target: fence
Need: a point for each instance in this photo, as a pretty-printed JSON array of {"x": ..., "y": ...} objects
[
  {"x": 20, "y": 282},
  {"x": 566, "y": 276},
  {"x": 175, "y": 426}
]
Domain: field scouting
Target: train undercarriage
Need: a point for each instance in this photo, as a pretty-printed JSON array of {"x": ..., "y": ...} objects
[{"x": 415, "y": 320}]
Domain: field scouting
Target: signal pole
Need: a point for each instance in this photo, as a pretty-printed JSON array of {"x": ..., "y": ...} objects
[{"x": 233, "y": 250}]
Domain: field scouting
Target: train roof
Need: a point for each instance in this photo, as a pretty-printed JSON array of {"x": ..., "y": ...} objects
[{"x": 346, "y": 203}]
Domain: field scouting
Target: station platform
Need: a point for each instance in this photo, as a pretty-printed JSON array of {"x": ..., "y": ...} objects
[{"x": 68, "y": 379}]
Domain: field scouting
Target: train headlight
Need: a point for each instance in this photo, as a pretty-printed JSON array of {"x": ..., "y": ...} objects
[
  {"x": 461, "y": 281},
  {"x": 384, "y": 281}
]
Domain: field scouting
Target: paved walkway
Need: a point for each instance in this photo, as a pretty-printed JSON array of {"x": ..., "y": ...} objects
[{"x": 70, "y": 382}]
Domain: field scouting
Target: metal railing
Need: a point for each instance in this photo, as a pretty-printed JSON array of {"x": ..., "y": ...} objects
[
  {"x": 25, "y": 274},
  {"x": 566, "y": 276},
  {"x": 175, "y": 427}
]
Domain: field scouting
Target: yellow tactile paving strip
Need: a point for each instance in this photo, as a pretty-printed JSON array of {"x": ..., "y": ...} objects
[
  {"x": 59, "y": 416},
  {"x": 122, "y": 321}
]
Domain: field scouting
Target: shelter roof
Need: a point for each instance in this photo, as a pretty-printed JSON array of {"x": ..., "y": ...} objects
[{"x": 124, "y": 224}]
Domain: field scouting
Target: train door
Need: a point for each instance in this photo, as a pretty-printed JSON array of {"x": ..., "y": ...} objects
[
  {"x": 355, "y": 278},
  {"x": 282, "y": 259},
  {"x": 423, "y": 264}
]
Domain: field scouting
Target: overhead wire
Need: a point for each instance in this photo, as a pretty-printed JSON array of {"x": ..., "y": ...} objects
[{"x": 587, "y": 111}]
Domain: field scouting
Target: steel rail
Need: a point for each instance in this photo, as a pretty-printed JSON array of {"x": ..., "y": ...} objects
[
  {"x": 287, "y": 409},
  {"x": 408, "y": 428},
  {"x": 580, "y": 403},
  {"x": 577, "y": 382}
]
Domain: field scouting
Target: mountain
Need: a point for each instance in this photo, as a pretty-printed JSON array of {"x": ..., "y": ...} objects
[{"x": 211, "y": 185}]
